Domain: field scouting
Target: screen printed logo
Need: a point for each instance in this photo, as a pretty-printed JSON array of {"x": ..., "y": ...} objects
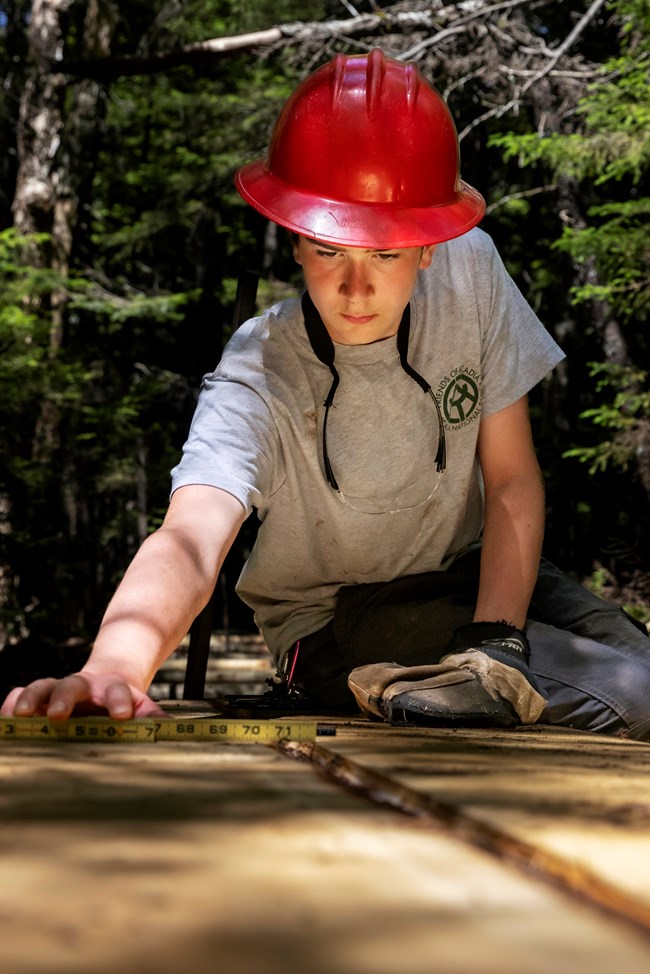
[{"x": 461, "y": 397}]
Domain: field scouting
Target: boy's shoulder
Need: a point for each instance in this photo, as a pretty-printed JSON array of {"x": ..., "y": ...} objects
[
  {"x": 274, "y": 323},
  {"x": 273, "y": 343},
  {"x": 464, "y": 265},
  {"x": 475, "y": 242}
]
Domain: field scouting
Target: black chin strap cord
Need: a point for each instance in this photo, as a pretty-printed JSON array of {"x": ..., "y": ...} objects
[
  {"x": 323, "y": 348},
  {"x": 403, "y": 334}
]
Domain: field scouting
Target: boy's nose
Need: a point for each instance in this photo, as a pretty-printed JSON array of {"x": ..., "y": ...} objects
[{"x": 356, "y": 282}]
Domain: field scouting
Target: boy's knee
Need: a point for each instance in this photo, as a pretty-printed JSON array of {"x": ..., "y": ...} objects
[{"x": 591, "y": 685}]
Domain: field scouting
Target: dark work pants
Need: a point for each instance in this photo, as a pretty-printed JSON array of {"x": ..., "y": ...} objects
[{"x": 592, "y": 661}]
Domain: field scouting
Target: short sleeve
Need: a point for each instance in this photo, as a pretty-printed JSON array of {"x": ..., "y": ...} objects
[
  {"x": 517, "y": 350},
  {"x": 232, "y": 444}
]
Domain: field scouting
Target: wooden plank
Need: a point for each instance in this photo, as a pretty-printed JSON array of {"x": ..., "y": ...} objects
[
  {"x": 202, "y": 856},
  {"x": 583, "y": 796}
]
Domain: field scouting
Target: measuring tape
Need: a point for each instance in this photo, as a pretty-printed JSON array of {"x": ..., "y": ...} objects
[{"x": 139, "y": 731}]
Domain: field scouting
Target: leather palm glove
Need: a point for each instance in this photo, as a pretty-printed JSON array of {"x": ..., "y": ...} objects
[
  {"x": 498, "y": 655},
  {"x": 502, "y": 642}
]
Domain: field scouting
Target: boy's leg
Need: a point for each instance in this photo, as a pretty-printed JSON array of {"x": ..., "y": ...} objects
[
  {"x": 590, "y": 685},
  {"x": 560, "y": 601},
  {"x": 408, "y": 633},
  {"x": 320, "y": 673},
  {"x": 591, "y": 661},
  {"x": 408, "y": 621}
]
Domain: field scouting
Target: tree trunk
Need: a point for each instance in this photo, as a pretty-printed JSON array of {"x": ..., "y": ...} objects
[
  {"x": 40, "y": 124},
  {"x": 57, "y": 143},
  {"x": 52, "y": 141}
]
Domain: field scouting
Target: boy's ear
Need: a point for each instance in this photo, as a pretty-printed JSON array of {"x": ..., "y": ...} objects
[
  {"x": 427, "y": 254},
  {"x": 295, "y": 247}
]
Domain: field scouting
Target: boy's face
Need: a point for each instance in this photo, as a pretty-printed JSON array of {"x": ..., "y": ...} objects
[{"x": 360, "y": 294}]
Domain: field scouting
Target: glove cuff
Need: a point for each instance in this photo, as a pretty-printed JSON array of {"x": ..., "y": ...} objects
[
  {"x": 501, "y": 642},
  {"x": 505, "y": 642}
]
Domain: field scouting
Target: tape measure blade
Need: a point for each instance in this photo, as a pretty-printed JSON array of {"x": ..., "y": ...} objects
[
  {"x": 234, "y": 731},
  {"x": 106, "y": 730},
  {"x": 82, "y": 729}
]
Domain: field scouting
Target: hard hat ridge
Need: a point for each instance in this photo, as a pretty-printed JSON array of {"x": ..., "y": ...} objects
[
  {"x": 376, "y": 72},
  {"x": 364, "y": 153}
]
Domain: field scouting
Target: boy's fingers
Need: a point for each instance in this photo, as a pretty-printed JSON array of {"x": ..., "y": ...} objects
[
  {"x": 66, "y": 694},
  {"x": 26, "y": 701},
  {"x": 118, "y": 701},
  {"x": 58, "y": 699},
  {"x": 146, "y": 707},
  {"x": 51, "y": 697},
  {"x": 7, "y": 709}
]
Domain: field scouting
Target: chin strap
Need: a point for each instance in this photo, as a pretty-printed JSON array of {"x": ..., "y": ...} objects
[{"x": 323, "y": 348}]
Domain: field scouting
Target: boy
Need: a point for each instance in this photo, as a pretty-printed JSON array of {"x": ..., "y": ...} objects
[{"x": 379, "y": 426}]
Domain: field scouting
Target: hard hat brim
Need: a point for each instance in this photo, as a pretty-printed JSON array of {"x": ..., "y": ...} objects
[{"x": 374, "y": 225}]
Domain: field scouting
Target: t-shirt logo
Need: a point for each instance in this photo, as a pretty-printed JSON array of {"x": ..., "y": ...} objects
[{"x": 461, "y": 396}]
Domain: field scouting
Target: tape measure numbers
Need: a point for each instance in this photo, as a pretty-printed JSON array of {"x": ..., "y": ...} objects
[
  {"x": 105, "y": 730},
  {"x": 229, "y": 729}
]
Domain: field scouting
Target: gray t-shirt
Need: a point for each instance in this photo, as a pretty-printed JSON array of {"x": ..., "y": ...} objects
[{"x": 257, "y": 433}]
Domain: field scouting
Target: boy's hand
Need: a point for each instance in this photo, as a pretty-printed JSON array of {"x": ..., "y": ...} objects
[
  {"x": 499, "y": 640},
  {"x": 81, "y": 693}
]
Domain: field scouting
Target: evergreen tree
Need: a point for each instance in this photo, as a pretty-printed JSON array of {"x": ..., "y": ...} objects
[{"x": 606, "y": 154}]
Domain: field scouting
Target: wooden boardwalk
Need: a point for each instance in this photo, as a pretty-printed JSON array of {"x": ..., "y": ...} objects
[{"x": 356, "y": 855}]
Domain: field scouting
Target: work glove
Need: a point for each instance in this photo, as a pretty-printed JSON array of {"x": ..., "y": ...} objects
[
  {"x": 434, "y": 693},
  {"x": 484, "y": 679},
  {"x": 498, "y": 655},
  {"x": 498, "y": 640}
]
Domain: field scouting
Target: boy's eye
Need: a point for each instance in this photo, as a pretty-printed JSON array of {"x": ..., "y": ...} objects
[{"x": 382, "y": 255}]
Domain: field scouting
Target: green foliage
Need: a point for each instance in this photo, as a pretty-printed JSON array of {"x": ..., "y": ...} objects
[
  {"x": 166, "y": 211},
  {"x": 78, "y": 425},
  {"x": 614, "y": 147},
  {"x": 623, "y": 415},
  {"x": 602, "y": 583},
  {"x": 614, "y": 142},
  {"x": 25, "y": 324},
  {"x": 98, "y": 403},
  {"x": 609, "y": 156},
  {"x": 619, "y": 242}
]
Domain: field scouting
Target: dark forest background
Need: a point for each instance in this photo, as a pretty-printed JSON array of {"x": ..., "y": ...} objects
[{"x": 122, "y": 240}]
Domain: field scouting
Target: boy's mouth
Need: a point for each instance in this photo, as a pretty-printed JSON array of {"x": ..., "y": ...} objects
[{"x": 358, "y": 319}]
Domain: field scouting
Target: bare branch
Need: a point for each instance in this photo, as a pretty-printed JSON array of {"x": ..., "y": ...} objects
[
  {"x": 526, "y": 73},
  {"x": 316, "y": 33},
  {"x": 481, "y": 11},
  {"x": 438, "y": 38},
  {"x": 520, "y": 196},
  {"x": 350, "y": 9},
  {"x": 118, "y": 67},
  {"x": 587, "y": 17},
  {"x": 108, "y": 68},
  {"x": 483, "y": 43}
]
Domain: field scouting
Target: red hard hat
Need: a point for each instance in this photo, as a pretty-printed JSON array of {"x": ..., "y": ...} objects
[{"x": 364, "y": 154}]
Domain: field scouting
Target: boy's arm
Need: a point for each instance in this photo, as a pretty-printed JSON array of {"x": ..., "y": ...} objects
[
  {"x": 514, "y": 516},
  {"x": 167, "y": 584}
]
